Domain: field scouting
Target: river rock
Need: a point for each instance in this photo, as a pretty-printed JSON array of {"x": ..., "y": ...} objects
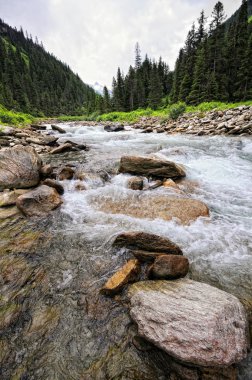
[
  {"x": 169, "y": 183},
  {"x": 169, "y": 267},
  {"x": 147, "y": 256},
  {"x": 147, "y": 242},
  {"x": 42, "y": 140},
  {"x": 8, "y": 198},
  {"x": 46, "y": 170},
  {"x": 57, "y": 128},
  {"x": 135, "y": 183},
  {"x": 39, "y": 201},
  {"x": 66, "y": 173},
  {"x": 167, "y": 207},
  {"x": 128, "y": 273},
  {"x": 38, "y": 127},
  {"x": 150, "y": 167},
  {"x": 62, "y": 148},
  {"x": 19, "y": 167},
  {"x": 113, "y": 128},
  {"x": 54, "y": 184},
  {"x": 191, "y": 321}
]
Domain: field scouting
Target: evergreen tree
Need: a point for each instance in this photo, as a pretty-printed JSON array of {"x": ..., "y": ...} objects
[
  {"x": 107, "y": 102},
  {"x": 155, "y": 93}
]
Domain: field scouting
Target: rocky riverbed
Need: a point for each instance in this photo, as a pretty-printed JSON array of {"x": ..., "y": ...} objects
[{"x": 169, "y": 213}]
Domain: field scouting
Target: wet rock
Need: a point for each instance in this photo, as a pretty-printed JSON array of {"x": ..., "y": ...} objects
[
  {"x": 169, "y": 183},
  {"x": 9, "y": 315},
  {"x": 38, "y": 127},
  {"x": 147, "y": 256},
  {"x": 57, "y": 128},
  {"x": 54, "y": 184},
  {"x": 46, "y": 170},
  {"x": 167, "y": 207},
  {"x": 62, "y": 148},
  {"x": 8, "y": 198},
  {"x": 128, "y": 273},
  {"x": 150, "y": 167},
  {"x": 113, "y": 128},
  {"x": 191, "y": 321},
  {"x": 44, "y": 321},
  {"x": 39, "y": 202},
  {"x": 43, "y": 140},
  {"x": 80, "y": 186},
  {"x": 4, "y": 142},
  {"x": 66, "y": 173},
  {"x": 169, "y": 267},
  {"x": 14, "y": 271},
  {"x": 135, "y": 183},
  {"x": 138, "y": 240},
  {"x": 9, "y": 212},
  {"x": 19, "y": 167}
]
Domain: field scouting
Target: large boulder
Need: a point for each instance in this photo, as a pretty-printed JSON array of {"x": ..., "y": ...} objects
[
  {"x": 167, "y": 207},
  {"x": 191, "y": 321},
  {"x": 147, "y": 242},
  {"x": 150, "y": 167},
  {"x": 19, "y": 167},
  {"x": 39, "y": 201}
]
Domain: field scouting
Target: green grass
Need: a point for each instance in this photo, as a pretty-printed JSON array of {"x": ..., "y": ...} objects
[
  {"x": 13, "y": 118},
  {"x": 164, "y": 113},
  {"x": 250, "y": 20}
]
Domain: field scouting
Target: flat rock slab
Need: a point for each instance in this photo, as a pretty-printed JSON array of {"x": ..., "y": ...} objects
[
  {"x": 128, "y": 273},
  {"x": 19, "y": 167},
  {"x": 185, "y": 210},
  {"x": 193, "y": 322},
  {"x": 39, "y": 201},
  {"x": 150, "y": 167},
  {"x": 147, "y": 242}
]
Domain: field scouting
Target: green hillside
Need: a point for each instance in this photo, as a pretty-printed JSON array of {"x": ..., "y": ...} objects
[{"x": 34, "y": 81}]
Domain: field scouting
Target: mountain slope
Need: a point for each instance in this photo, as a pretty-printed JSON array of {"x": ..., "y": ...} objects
[{"x": 34, "y": 81}]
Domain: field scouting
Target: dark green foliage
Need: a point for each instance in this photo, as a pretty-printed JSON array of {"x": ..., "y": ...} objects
[
  {"x": 177, "y": 110},
  {"x": 215, "y": 65},
  {"x": 143, "y": 86},
  {"x": 34, "y": 81}
]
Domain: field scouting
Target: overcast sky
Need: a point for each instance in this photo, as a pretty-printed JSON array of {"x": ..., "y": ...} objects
[{"x": 96, "y": 36}]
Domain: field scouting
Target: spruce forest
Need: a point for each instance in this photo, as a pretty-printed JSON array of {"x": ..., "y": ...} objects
[
  {"x": 34, "y": 81},
  {"x": 214, "y": 65}
]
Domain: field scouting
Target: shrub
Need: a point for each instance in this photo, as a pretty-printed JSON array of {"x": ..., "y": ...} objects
[{"x": 176, "y": 110}]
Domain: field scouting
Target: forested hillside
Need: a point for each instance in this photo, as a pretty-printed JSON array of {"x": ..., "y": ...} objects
[
  {"x": 214, "y": 65},
  {"x": 144, "y": 85},
  {"x": 34, "y": 81}
]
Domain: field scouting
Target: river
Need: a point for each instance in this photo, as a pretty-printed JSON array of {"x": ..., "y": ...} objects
[{"x": 84, "y": 335}]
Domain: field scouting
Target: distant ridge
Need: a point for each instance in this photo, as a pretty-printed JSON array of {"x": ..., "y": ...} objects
[{"x": 34, "y": 81}]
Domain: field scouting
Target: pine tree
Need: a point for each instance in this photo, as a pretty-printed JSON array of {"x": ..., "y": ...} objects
[
  {"x": 155, "y": 93},
  {"x": 107, "y": 102},
  {"x": 242, "y": 53}
]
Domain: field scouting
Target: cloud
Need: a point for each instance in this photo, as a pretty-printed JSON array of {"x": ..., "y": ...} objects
[{"x": 96, "y": 37}]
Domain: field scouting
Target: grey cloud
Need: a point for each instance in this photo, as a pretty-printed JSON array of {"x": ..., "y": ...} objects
[{"x": 96, "y": 37}]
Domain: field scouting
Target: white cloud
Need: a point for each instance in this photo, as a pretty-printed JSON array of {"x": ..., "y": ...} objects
[{"x": 96, "y": 37}]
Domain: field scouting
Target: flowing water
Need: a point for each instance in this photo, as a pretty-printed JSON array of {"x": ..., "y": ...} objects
[{"x": 68, "y": 330}]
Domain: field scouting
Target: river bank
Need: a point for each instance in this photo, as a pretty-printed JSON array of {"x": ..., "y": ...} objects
[{"x": 62, "y": 326}]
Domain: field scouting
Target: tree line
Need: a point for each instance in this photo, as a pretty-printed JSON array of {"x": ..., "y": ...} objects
[
  {"x": 214, "y": 64},
  {"x": 34, "y": 81}
]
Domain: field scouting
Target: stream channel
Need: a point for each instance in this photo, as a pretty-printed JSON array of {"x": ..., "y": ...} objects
[{"x": 66, "y": 329}]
